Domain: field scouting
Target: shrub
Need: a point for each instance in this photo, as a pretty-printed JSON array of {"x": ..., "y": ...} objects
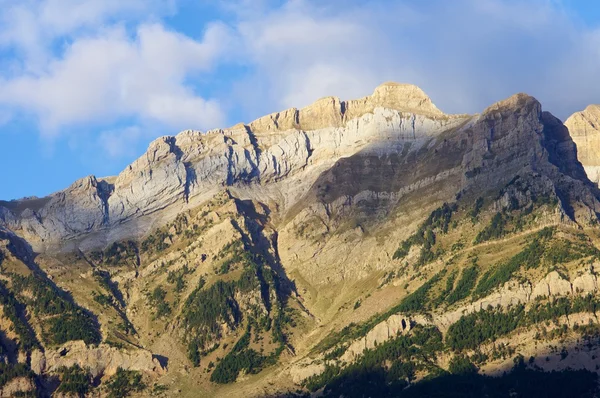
[
  {"x": 461, "y": 365},
  {"x": 74, "y": 380},
  {"x": 124, "y": 382}
]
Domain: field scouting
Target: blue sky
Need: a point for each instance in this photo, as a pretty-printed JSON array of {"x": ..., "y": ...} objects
[{"x": 85, "y": 85}]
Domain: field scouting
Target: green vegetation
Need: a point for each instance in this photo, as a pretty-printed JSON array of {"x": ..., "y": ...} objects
[
  {"x": 74, "y": 380},
  {"x": 157, "y": 242},
  {"x": 104, "y": 300},
  {"x": 118, "y": 253},
  {"x": 232, "y": 254},
  {"x": 207, "y": 308},
  {"x": 418, "y": 300},
  {"x": 461, "y": 365},
  {"x": 465, "y": 284},
  {"x": 177, "y": 278},
  {"x": 161, "y": 239},
  {"x": 124, "y": 382},
  {"x": 438, "y": 220},
  {"x": 494, "y": 230},
  {"x": 448, "y": 288},
  {"x": 9, "y": 371},
  {"x": 541, "y": 249},
  {"x": 239, "y": 358},
  {"x": 472, "y": 330},
  {"x": 15, "y": 312},
  {"x": 204, "y": 309},
  {"x": 407, "y": 354},
  {"x": 158, "y": 301},
  {"x": 62, "y": 319},
  {"x": 104, "y": 280},
  {"x": 474, "y": 213}
]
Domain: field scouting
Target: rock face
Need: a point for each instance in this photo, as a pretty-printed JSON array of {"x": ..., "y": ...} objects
[
  {"x": 303, "y": 207},
  {"x": 393, "y": 326},
  {"x": 101, "y": 360},
  {"x": 18, "y": 387},
  {"x": 584, "y": 128},
  {"x": 290, "y": 149}
]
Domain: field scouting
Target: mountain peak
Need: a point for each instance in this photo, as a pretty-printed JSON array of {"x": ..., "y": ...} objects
[
  {"x": 404, "y": 97},
  {"x": 516, "y": 101},
  {"x": 584, "y": 127},
  {"x": 593, "y": 108},
  {"x": 332, "y": 112}
]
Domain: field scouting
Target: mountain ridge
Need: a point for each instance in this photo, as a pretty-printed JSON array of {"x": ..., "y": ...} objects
[
  {"x": 107, "y": 202},
  {"x": 215, "y": 256}
]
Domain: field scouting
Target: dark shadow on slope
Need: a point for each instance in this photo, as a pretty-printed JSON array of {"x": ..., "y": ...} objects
[
  {"x": 525, "y": 379},
  {"x": 164, "y": 361},
  {"x": 255, "y": 222}
]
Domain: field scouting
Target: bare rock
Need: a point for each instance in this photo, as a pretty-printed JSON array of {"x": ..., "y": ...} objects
[
  {"x": 393, "y": 326},
  {"x": 585, "y": 283},
  {"x": 101, "y": 360},
  {"x": 558, "y": 285},
  {"x": 38, "y": 362},
  {"x": 19, "y": 386},
  {"x": 584, "y": 128},
  {"x": 302, "y": 371}
]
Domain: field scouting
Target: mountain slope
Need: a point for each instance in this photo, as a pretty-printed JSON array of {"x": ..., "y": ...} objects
[{"x": 349, "y": 242}]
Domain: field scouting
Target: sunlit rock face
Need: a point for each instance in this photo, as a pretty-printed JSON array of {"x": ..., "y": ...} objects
[{"x": 584, "y": 128}]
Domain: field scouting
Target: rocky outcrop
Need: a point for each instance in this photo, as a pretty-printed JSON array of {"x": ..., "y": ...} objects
[
  {"x": 18, "y": 387},
  {"x": 512, "y": 293},
  {"x": 584, "y": 128},
  {"x": 305, "y": 369},
  {"x": 393, "y": 326},
  {"x": 101, "y": 360},
  {"x": 554, "y": 285}
]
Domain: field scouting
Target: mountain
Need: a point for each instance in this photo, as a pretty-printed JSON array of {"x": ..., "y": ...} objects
[
  {"x": 584, "y": 127},
  {"x": 373, "y": 246}
]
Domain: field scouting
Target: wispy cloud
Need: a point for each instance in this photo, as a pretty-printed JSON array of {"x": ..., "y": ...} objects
[{"x": 466, "y": 53}]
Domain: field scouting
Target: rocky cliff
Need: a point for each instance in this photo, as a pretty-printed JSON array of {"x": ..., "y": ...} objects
[
  {"x": 584, "y": 127},
  {"x": 320, "y": 239},
  {"x": 277, "y": 156}
]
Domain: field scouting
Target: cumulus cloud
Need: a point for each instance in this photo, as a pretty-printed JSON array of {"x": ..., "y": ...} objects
[
  {"x": 466, "y": 54},
  {"x": 111, "y": 75},
  {"x": 79, "y": 62},
  {"x": 31, "y": 26}
]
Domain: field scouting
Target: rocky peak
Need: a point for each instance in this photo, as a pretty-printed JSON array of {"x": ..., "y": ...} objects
[
  {"x": 288, "y": 151},
  {"x": 332, "y": 112},
  {"x": 585, "y": 122},
  {"x": 584, "y": 128},
  {"x": 521, "y": 103},
  {"x": 403, "y": 97}
]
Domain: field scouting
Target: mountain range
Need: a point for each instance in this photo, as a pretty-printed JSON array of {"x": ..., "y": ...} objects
[{"x": 369, "y": 247}]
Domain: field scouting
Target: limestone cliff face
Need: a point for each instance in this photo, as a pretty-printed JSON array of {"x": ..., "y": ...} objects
[
  {"x": 386, "y": 145},
  {"x": 584, "y": 128},
  {"x": 278, "y": 155}
]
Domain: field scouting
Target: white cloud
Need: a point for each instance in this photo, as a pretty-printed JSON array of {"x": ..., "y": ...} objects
[
  {"x": 466, "y": 53},
  {"x": 111, "y": 75},
  {"x": 86, "y": 61},
  {"x": 32, "y": 26}
]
